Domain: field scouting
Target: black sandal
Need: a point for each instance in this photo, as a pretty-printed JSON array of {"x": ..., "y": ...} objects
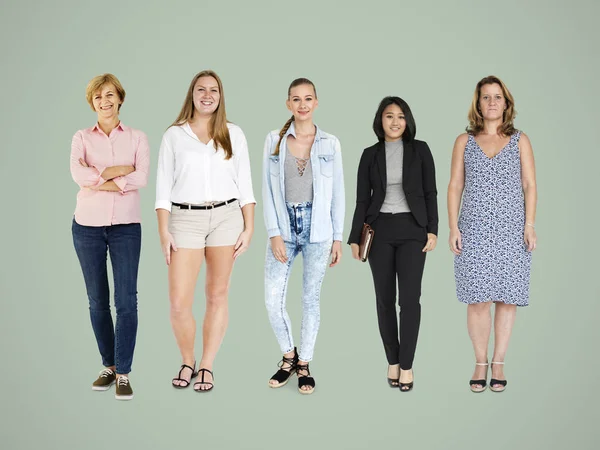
[
  {"x": 282, "y": 376},
  {"x": 482, "y": 382},
  {"x": 198, "y": 383},
  {"x": 495, "y": 384},
  {"x": 393, "y": 382},
  {"x": 406, "y": 387},
  {"x": 305, "y": 380},
  {"x": 187, "y": 382}
]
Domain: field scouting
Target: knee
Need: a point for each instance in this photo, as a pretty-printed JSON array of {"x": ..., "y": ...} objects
[
  {"x": 216, "y": 297},
  {"x": 98, "y": 302},
  {"x": 480, "y": 308},
  {"x": 181, "y": 305},
  {"x": 126, "y": 303}
]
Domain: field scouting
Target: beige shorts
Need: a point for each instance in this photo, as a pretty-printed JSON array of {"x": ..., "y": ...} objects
[{"x": 199, "y": 228}]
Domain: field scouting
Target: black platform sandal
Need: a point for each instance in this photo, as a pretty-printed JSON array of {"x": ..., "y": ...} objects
[
  {"x": 497, "y": 385},
  {"x": 406, "y": 387},
  {"x": 187, "y": 382},
  {"x": 482, "y": 383},
  {"x": 282, "y": 376},
  {"x": 393, "y": 382},
  {"x": 198, "y": 383},
  {"x": 305, "y": 380}
]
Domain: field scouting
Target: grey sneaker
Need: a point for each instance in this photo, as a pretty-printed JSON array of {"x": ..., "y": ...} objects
[
  {"x": 105, "y": 380},
  {"x": 123, "y": 390}
]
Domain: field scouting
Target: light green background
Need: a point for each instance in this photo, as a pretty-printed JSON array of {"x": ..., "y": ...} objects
[{"x": 429, "y": 53}]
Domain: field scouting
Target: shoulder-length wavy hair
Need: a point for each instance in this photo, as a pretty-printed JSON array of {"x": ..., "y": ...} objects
[
  {"x": 507, "y": 127},
  {"x": 411, "y": 128},
  {"x": 217, "y": 127}
]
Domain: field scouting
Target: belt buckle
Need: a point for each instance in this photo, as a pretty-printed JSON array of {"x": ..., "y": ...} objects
[{"x": 212, "y": 205}]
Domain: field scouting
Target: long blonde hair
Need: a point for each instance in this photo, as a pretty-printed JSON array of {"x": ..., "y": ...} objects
[
  {"x": 475, "y": 117},
  {"x": 217, "y": 126},
  {"x": 286, "y": 127}
]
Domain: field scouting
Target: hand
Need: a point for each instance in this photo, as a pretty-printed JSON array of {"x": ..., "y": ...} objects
[
  {"x": 336, "y": 253},
  {"x": 431, "y": 242},
  {"x": 278, "y": 249},
  {"x": 530, "y": 238},
  {"x": 242, "y": 243},
  {"x": 166, "y": 244},
  {"x": 455, "y": 241},
  {"x": 355, "y": 249},
  {"x": 83, "y": 163}
]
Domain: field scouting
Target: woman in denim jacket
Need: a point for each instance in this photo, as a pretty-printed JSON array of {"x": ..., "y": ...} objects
[{"x": 303, "y": 197}]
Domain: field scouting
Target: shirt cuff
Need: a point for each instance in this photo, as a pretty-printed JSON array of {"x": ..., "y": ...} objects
[
  {"x": 247, "y": 201},
  {"x": 273, "y": 232},
  {"x": 162, "y": 204},
  {"x": 338, "y": 236},
  {"x": 101, "y": 180},
  {"x": 121, "y": 182}
]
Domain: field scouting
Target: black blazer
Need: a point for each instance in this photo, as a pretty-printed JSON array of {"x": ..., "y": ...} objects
[{"x": 418, "y": 181}]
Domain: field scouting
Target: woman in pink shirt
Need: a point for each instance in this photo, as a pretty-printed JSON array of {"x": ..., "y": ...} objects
[{"x": 109, "y": 162}]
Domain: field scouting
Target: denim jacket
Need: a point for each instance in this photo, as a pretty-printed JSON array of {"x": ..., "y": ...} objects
[{"x": 328, "y": 187}]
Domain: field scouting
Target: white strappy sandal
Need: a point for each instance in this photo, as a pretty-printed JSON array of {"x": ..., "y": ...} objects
[{"x": 497, "y": 385}]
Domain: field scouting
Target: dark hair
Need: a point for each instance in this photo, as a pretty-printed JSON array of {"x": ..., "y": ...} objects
[
  {"x": 411, "y": 128},
  {"x": 288, "y": 124}
]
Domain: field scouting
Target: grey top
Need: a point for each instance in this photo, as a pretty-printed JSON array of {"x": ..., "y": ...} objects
[
  {"x": 298, "y": 182},
  {"x": 395, "y": 201}
]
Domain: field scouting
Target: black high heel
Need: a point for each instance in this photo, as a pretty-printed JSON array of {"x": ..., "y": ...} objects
[
  {"x": 393, "y": 382},
  {"x": 406, "y": 387},
  {"x": 282, "y": 376},
  {"x": 497, "y": 385},
  {"x": 305, "y": 380}
]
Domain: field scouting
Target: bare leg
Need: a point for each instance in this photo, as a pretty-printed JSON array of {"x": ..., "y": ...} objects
[
  {"x": 183, "y": 274},
  {"x": 503, "y": 324},
  {"x": 479, "y": 324},
  {"x": 219, "y": 265}
]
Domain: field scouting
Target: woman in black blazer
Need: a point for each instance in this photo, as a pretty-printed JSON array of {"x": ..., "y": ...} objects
[{"x": 396, "y": 195}]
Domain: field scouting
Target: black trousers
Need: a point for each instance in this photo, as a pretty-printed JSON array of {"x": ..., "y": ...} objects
[{"x": 396, "y": 254}]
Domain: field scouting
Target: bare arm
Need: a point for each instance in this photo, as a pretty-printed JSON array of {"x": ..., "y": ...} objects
[
  {"x": 166, "y": 240},
  {"x": 529, "y": 189},
  {"x": 455, "y": 191},
  {"x": 116, "y": 171}
]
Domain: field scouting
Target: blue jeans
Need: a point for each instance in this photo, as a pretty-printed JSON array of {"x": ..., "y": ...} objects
[
  {"x": 315, "y": 257},
  {"x": 123, "y": 242}
]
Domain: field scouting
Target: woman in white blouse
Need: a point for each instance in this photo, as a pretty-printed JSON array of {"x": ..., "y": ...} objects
[{"x": 205, "y": 208}]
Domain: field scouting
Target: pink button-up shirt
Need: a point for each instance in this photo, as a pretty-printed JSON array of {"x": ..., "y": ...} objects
[{"x": 123, "y": 147}]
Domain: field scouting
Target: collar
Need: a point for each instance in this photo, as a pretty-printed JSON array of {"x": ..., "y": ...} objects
[
  {"x": 318, "y": 134},
  {"x": 120, "y": 126}
]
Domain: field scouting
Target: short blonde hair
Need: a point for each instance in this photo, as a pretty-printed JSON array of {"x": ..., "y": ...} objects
[
  {"x": 98, "y": 82},
  {"x": 507, "y": 128}
]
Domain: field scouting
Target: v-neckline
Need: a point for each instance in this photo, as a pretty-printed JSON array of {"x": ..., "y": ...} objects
[
  {"x": 485, "y": 154},
  {"x": 196, "y": 136}
]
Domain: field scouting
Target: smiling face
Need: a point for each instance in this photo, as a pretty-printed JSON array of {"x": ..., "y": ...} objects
[
  {"x": 106, "y": 101},
  {"x": 302, "y": 101},
  {"x": 492, "y": 103},
  {"x": 393, "y": 122},
  {"x": 206, "y": 96}
]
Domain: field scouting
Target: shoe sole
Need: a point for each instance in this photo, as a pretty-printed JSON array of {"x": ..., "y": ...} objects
[
  {"x": 102, "y": 388},
  {"x": 124, "y": 397},
  {"x": 278, "y": 385},
  {"x": 303, "y": 392},
  {"x": 497, "y": 390},
  {"x": 478, "y": 392}
]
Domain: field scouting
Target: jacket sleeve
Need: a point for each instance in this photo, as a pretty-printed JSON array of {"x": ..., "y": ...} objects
[
  {"x": 363, "y": 197},
  {"x": 338, "y": 200},
  {"x": 269, "y": 213},
  {"x": 429, "y": 189}
]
